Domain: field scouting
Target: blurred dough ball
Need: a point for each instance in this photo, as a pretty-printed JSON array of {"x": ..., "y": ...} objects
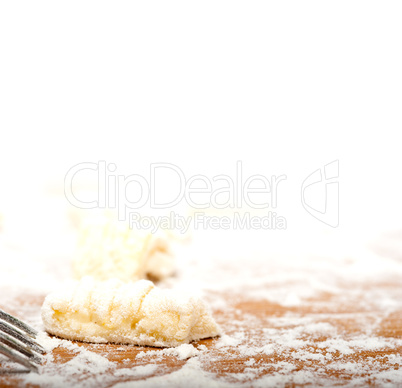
[
  {"x": 79, "y": 217},
  {"x": 108, "y": 248}
]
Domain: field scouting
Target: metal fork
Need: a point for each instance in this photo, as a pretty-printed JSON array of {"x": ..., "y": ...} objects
[{"x": 17, "y": 342}]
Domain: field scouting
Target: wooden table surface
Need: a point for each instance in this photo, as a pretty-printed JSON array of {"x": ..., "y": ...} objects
[{"x": 349, "y": 313}]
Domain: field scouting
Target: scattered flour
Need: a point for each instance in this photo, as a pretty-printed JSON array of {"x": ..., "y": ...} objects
[
  {"x": 137, "y": 371},
  {"x": 293, "y": 348},
  {"x": 89, "y": 365},
  {"x": 190, "y": 375},
  {"x": 230, "y": 341},
  {"x": 182, "y": 352}
]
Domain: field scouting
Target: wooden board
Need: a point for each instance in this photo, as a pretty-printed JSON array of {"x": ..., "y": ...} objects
[{"x": 350, "y": 313}]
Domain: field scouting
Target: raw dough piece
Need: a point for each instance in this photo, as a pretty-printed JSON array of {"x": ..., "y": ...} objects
[
  {"x": 110, "y": 249},
  {"x": 127, "y": 313}
]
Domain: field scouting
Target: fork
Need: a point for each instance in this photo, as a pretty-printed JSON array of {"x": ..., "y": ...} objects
[{"x": 17, "y": 342}]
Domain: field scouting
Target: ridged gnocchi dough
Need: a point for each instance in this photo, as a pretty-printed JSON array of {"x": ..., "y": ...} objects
[{"x": 135, "y": 313}]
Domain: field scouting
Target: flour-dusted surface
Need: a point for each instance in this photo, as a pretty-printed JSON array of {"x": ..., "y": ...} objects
[
  {"x": 322, "y": 312},
  {"x": 136, "y": 313}
]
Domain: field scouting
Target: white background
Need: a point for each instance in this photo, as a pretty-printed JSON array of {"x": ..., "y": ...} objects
[{"x": 285, "y": 87}]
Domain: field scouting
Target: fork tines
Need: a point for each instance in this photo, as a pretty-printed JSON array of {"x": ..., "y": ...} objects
[{"x": 17, "y": 342}]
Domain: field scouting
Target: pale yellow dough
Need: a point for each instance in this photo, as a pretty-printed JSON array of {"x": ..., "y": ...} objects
[
  {"x": 108, "y": 249},
  {"x": 135, "y": 313}
]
